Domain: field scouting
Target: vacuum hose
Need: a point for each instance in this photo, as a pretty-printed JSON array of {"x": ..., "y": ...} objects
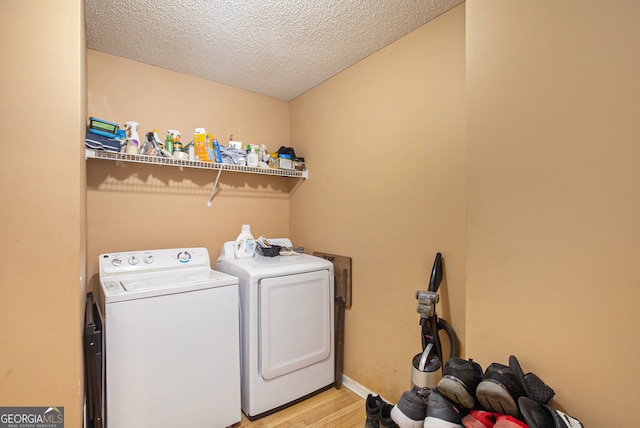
[{"x": 453, "y": 338}]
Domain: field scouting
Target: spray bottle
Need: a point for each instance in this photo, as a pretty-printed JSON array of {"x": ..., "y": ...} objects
[
  {"x": 168, "y": 143},
  {"x": 177, "y": 145},
  {"x": 175, "y": 138},
  {"x": 133, "y": 140},
  {"x": 149, "y": 147}
]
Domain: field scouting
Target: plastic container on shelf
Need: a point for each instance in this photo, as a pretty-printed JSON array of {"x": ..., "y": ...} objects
[
  {"x": 252, "y": 157},
  {"x": 133, "y": 139},
  {"x": 273, "y": 160},
  {"x": 168, "y": 144},
  {"x": 245, "y": 244},
  {"x": 203, "y": 142}
]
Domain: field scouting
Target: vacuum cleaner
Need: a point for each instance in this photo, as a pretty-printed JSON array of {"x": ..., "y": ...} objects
[{"x": 428, "y": 365}]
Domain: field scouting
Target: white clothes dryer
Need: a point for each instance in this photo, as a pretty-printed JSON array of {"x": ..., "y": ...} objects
[
  {"x": 286, "y": 327},
  {"x": 171, "y": 340}
]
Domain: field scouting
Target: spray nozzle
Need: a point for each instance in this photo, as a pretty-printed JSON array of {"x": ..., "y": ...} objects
[{"x": 131, "y": 125}]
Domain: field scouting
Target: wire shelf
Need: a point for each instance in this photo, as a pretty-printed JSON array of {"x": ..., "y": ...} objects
[{"x": 157, "y": 160}]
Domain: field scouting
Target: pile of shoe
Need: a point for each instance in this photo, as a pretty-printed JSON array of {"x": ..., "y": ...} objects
[
  {"x": 501, "y": 397},
  {"x": 378, "y": 413}
]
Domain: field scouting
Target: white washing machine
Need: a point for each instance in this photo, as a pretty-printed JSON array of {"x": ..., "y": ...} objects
[
  {"x": 171, "y": 340},
  {"x": 286, "y": 319}
]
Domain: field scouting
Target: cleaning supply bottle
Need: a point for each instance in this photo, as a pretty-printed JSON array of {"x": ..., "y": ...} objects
[
  {"x": 178, "y": 153},
  {"x": 245, "y": 244},
  {"x": 216, "y": 145},
  {"x": 273, "y": 160},
  {"x": 175, "y": 139},
  {"x": 264, "y": 154},
  {"x": 149, "y": 147},
  {"x": 133, "y": 140},
  {"x": 157, "y": 141},
  {"x": 252, "y": 156},
  {"x": 168, "y": 143}
]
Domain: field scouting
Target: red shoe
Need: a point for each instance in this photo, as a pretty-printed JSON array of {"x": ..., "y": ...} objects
[
  {"x": 506, "y": 421},
  {"x": 479, "y": 419}
]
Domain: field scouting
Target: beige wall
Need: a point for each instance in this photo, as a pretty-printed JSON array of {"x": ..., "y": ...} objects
[
  {"x": 384, "y": 143},
  {"x": 133, "y": 206},
  {"x": 534, "y": 204},
  {"x": 42, "y": 234},
  {"x": 553, "y": 200}
]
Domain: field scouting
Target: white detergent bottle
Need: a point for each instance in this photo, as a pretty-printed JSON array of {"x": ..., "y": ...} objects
[
  {"x": 133, "y": 140},
  {"x": 252, "y": 156},
  {"x": 245, "y": 244}
]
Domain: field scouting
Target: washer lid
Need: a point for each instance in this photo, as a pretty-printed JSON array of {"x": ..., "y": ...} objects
[
  {"x": 139, "y": 286},
  {"x": 163, "y": 282}
]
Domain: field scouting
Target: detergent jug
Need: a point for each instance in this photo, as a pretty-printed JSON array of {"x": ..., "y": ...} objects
[{"x": 245, "y": 245}]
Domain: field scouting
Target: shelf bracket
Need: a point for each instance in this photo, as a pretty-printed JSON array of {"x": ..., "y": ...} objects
[{"x": 213, "y": 189}]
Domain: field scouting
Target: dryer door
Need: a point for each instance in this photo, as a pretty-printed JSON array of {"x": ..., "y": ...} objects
[{"x": 295, "y": 322}]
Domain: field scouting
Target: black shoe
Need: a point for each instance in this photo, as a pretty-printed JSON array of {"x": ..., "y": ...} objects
[
  {"x": 441, "y": 412},
  {"x": 460, "y": 380},
  {"x": 499, "y": 390},
  {"x": 531, "y": 384},
  {"x": 373, "y": 405},
  {"x": 385, "y": 416},
  {"x": 538, "y": 415},
  {"x": 410, "y": 410}
]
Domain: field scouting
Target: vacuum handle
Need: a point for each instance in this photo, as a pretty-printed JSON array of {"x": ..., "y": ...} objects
[
  {"x": 425, "y": 356},
  {"x": 436, "y": 274}
]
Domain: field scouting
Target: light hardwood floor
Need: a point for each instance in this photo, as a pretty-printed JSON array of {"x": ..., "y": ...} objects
[{"x": 331, "y": 408}]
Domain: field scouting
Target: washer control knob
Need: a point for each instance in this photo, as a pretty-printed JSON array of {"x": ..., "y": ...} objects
[
  {"x": 148, "y": 259},
  {"x": 184, "y": 256},
  {"x": 133, "y": 260},
  {"x": 116, "y": 262}
]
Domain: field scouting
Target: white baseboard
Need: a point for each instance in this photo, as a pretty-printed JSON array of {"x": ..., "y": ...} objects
[
  {"x": 354, "y": 386},
  {"x": 359, "y": 389}
]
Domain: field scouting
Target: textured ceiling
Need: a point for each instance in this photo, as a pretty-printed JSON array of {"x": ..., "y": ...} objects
[{"x": 279, "y": 48}]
